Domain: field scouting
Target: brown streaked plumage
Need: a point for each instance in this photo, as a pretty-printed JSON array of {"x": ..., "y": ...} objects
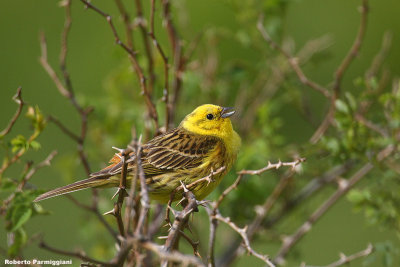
[{"x": 182, "y": 154}]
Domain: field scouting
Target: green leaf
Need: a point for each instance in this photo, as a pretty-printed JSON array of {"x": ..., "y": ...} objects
[
  {"x": 19, "y": 240},
  {"x": 341, "y": 106},
  {"x": 35, "y": 145},
  {"x": 20, "y": 216},
  {"x": 18, "y": 142},
  {"x": 7, "y": 184}
]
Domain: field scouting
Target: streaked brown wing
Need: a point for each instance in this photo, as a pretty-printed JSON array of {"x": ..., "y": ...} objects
[
  {"x": 178, "y": 149},
  {"x": 174, "y": 150}
]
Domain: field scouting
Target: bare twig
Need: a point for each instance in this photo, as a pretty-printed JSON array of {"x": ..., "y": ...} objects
[
  {"x": 243, "y": 233},
  {"x": 351, "y": 55},
  {"x": 28, "y": 173},
  {"x": 18, "y": 99},
  {"x": 233, "y": 251},
  {"x": 344, "y": 187},
  {"x": 293, "y": 62},
  {"x": 127, "y": 23},
  {"x": 79, "y": 254},
  {"x": 166, "y": 67},
  {"x": 177, "y": 55},
  {"x": 180, "y": 220},
  {"x": 67, "y": 93},
  {"x": 346, "y": 259},
  {"x": 94, "y": 209},
  {"x": 173, "y": 256},
  {"x": 132, "y": 55},
  {"x": 144, "y": 193}
]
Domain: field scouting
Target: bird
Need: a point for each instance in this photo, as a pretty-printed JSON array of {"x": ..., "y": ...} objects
[{"x": 204, "y": 142}]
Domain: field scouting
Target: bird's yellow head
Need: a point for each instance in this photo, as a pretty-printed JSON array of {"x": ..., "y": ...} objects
[{"x": 209, "y": 120}]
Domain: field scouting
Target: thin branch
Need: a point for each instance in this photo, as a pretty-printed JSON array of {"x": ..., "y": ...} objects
[
  {"x": 64, "y": 52},
  {"x": 132, "y": 55},
  {"x": 351, "y": 55},
  {"x": 346, "y": 259},
  {"x": 64, "y": 129},
  {"x": 79, "y": 254},
  {"x": 177, "y": 55},
  {"x": 293, "y": 62},
  {"x": 343, "y": 188},
  {"x": 18, "y": 99},
  {"x": 180, "y": 220},
  {"x": 94, "y": 209},
  {"x": 144, "y": 193},
  {"x": 166, "y": 67},
  {"x": 243, "y": 234},
  {"x": 127, "y": 23},
  {"x": 141, "y": 22},
  {"x": 173, "y": 256},
  {"x": 233, "y": 251}
]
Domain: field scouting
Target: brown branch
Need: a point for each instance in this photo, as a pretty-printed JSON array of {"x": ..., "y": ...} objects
[
  {"x": 67, "y": 93},
  {"x": 208, "y": 179},
  {"x": 94, "y": 209},
  {"x": 78, "y": 254},
  {"x": 233, "y": 251},
  {"x": 180, "y": 221},
  {"x": 18, "y": 99},
  {"x": 177, "y": 55},
  {"x": 132, "y": 55},
  {"x": 127, "y": 23},
  {"x": 173, "y": 256},
  {"x": 64, "y": 51},
  {"x": 243, "y": 234},
  {"x": 212, "y": 236},
  {"x": 28, "y": 173},
  {"x": 351, "y": 55},
  {"x": 166, "y": 67},
  {"x": 293, "y": 62},
  {"x": 346, "y": 259},
  {"x": 141, "y": 22},
  {"x": 121, "y": 192},
  {"x": 64, "y": 129},
  {"x": 313, "y": 186},
  {"x": 343, "y": 188},
  {"x": 144, "y": 193}
]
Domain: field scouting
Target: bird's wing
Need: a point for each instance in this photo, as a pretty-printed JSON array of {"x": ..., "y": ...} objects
[
  {"x": 178, "y": 149},
  {"x": 174, "y": 150}
]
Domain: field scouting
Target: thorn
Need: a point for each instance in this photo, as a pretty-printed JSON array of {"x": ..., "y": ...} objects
[
  {"x": 184, "y": 187},
  {"x": 116, "y": 193},
  {"x": 120, "y": 150},
  {"x": 111, "y": 212},
  {"x": 180, "y": 201}
]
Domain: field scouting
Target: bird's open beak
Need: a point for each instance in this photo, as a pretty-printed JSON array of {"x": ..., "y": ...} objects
[{"x": 227, "y": 112}]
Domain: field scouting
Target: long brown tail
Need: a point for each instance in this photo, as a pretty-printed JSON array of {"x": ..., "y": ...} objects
[{"x": 87, "y": 183}]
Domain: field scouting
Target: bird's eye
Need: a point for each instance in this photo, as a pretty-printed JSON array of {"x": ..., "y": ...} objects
[{"x": 210, "y": 116}]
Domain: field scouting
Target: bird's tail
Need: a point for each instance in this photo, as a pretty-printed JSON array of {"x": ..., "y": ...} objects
[{"x": 87, "y": 183}]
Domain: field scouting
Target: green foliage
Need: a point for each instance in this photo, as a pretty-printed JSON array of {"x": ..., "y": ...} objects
[{"x": 17, "y": 207}]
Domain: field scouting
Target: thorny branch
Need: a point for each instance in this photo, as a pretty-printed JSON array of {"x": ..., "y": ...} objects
[
  {"x": 293, "y": 62},
  {"x": 351, "y": 55},
  {"x": 166, "y": 67},
  {"x": 346, "y": 259},
  {"x": 232, "y": 251},
  {"x": 132, "y": 55},
  {"x": 18, "y": 99},
  {"x": 243, "y": 234},
  {"x": 27, "y": 176},
  {"x": 78, "y": 254},
  {"x": 343, "y": 188}
]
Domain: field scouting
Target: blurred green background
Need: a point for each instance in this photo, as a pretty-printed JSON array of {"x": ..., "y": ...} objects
[{"x": 93, "y": 60}]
